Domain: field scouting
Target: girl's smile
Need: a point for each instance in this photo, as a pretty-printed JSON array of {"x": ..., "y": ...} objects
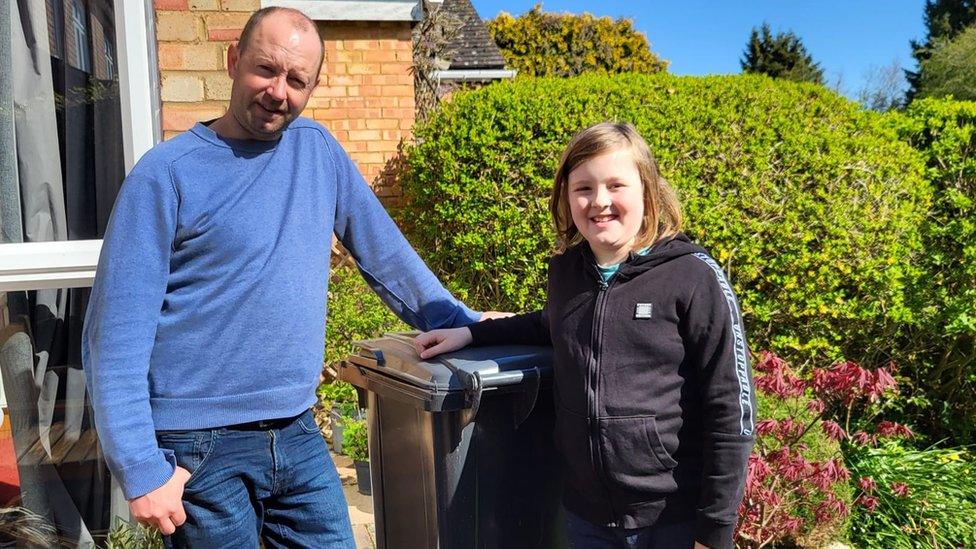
[{"x": 606, "y": 201}]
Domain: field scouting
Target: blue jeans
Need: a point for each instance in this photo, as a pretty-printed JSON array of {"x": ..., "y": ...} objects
[
  {"x": 274, "y": 483},
  {"x": 583, "y": 534}
]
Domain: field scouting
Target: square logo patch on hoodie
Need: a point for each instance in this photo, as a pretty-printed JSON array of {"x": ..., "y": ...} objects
[{"x": 643, "y": 311}]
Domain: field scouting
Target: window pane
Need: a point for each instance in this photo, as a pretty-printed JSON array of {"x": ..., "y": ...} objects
[
  {"x": 50, "y": 460},
  {"x": 67, "y": 118},
  {"x": 61, "y": 165}
]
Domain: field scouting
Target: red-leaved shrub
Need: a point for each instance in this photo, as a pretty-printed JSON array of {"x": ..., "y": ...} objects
[{"x": 798, "y": 490}]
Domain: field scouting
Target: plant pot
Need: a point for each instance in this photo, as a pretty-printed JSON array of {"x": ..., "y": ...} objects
[{"x": 365, "y": 487}]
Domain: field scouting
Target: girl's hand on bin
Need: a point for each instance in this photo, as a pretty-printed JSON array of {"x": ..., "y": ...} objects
[{"x": 437, "y": 342}]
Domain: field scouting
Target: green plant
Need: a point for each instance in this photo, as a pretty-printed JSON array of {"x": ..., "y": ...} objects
[
  {"x": 355, "y": 439},
  {"x": 942, "y": 343},
  {"x": 918, "y": 498},
  {"x": 797, "y": 487},
  {"x": 810, "y": 203},
  {"x": 355, "y": 313},
  {"x": 337, "y": 392},
  {"x": 124, "y": 535},
  {"x": 347, "y": 410},
  {"x": 537, "y": 43}
]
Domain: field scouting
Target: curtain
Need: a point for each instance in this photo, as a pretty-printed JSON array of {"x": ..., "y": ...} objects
[{"x": 60, "y": 116}]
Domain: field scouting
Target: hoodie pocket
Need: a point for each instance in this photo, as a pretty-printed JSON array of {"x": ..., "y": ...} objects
[{"x": 633, "y": 456}]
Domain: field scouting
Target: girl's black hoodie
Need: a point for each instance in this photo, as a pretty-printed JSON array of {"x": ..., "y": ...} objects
[{"x": 654, "y": 395}]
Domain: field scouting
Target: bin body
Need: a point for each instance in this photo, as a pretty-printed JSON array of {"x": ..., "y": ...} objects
[{"x": 461, "y": 451}]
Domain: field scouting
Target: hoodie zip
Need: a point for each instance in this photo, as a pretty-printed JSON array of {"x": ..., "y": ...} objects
[{"x": 593, "y": 392}]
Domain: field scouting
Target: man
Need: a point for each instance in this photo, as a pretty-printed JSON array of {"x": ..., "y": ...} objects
[{"x": 203, "y": 340}]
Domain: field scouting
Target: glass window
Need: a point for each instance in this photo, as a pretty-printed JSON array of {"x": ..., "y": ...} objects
[
  {"x": 80, "y": 28},
  {"x": 108, "y": 55},
  {"x": 61, "y": 166},
  {"x": 51, "y": 465}
]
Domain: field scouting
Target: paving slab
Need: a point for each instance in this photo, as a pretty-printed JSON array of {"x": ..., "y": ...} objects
[{"x": 360, "y": 506}]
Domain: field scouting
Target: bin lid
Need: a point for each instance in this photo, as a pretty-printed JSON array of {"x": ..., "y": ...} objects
[{"x": 394, "y": 355}]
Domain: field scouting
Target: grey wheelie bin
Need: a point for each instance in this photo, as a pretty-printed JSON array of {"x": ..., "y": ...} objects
[{"x": 460, "y": 445}]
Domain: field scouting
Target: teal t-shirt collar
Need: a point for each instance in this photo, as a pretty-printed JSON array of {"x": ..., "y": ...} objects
[{"x": 607, "y": 271}]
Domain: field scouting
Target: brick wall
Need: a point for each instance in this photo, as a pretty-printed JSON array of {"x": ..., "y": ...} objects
[{"x": 365, "y": 96}]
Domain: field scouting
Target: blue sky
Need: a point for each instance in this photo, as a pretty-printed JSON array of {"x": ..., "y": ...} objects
[{"x": 848, "y": 38}]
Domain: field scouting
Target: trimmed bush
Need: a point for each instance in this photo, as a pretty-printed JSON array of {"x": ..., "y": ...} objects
[
  {"x": 812, "y": 205},
  {"x": 943, "y": 341}
]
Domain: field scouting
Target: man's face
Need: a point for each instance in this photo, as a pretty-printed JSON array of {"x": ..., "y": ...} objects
[{"x": 273, "y": 77}]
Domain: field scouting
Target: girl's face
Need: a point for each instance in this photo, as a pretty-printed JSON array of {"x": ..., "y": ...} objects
[{"x": 606, "y": 200}]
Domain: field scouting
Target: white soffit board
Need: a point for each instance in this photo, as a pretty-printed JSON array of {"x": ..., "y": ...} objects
[
  {"x": 461, "y": 75},
  {"x": 42, "y": 265},
  {"x": 353, "y": 10}
]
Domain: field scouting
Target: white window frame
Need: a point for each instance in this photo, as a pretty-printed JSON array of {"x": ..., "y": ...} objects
[{"x": 71, "y": 263}]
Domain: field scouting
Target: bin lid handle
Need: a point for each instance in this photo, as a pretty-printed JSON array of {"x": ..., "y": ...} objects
[
  {"x": 472, "y": 395},
  {"x": 530, "y": 393}
]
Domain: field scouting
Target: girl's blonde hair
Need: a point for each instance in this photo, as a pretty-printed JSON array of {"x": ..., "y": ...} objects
[{"x": 662, "y": 213}]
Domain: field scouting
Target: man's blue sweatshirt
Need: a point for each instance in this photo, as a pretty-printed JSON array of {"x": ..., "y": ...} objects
[{"x": 209, "y": 303}]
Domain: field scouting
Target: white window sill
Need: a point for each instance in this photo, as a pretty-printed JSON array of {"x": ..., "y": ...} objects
[{"x": 44, "y": 265}]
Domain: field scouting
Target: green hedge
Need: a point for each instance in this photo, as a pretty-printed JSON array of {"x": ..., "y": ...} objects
[
  {"x": 811, "y": 204},
  {"x": 355, "y": 313},
  {"x": 942, "y": 344}
]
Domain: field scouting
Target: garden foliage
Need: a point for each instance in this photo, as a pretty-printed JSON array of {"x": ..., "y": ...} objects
[
  {"x": 797, "y": 488},
  {"x": 537, "y": 43},
  {"x": 812, "y": 205},
  {"x": 917, "y": 498},
  {"x": 942, "y": 344},
  {"x": 355, "y": 439},
  {"x": 944, "y": 20},
  {"x": 355, "y": 313},
  {"x": 950, "y": 69}
]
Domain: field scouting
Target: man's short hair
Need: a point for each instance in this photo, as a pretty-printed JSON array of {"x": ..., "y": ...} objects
[{"x": 301, "y": 21}]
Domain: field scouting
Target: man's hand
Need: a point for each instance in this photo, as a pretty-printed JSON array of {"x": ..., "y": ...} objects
[
  {"x": 163, "y": 507},
  {"x": 488, "y": 315},
  {"x": 700, "y": 546},
  {"x": 437, "y": 342}
]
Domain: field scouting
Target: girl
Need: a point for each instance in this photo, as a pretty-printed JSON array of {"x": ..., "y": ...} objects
[{"x": 654, "y": 399}]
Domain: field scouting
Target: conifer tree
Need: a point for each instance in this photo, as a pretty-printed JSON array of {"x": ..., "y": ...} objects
[
  {"x": 944, "y": 20},
  {"x": 780, "y": 55},
  {"x": 950, "y": 69}
]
